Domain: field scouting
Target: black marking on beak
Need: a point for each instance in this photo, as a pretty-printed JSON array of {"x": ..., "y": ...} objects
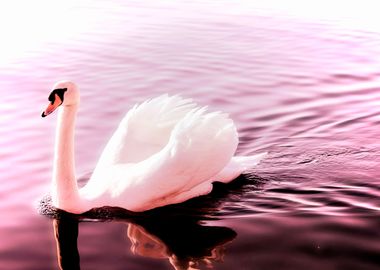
[
  {"x": 43, "y": 114},
  {"x": 60, "y": 92}
]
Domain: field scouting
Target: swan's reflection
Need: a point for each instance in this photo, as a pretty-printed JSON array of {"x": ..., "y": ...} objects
[
  {"x": 184, "y": 242},
  {"x": 174, "y": 232},
  {"x": 66, "y": 235}
]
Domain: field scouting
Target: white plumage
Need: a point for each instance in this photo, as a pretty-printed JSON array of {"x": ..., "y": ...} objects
[{"x": 165, "y": 150}]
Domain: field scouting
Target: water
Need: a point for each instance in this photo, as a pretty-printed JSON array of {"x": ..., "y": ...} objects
[{"x": 305, "y": 90}]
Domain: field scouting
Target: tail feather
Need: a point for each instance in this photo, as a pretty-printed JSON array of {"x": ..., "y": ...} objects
[
  {"x": 248, "y": 162},
  {"x": 237, "y": 166}
]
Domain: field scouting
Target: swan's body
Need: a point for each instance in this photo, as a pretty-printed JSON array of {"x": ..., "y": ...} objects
[{"x": 165, "y": 151}]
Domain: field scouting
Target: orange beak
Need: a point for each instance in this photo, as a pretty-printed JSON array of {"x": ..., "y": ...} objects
[{"x": 52, "y": 106}]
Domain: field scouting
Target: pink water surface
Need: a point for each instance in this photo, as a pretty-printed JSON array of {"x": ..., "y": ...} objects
[{"x": 307, "y": 91}]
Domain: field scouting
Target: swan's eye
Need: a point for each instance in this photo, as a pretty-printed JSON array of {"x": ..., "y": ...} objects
[{"x": 60, "y": 92}]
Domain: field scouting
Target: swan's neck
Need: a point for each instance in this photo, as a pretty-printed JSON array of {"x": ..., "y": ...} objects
[{"x": 65, "y": 193}]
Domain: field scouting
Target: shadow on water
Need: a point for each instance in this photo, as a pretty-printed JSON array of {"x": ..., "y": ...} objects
[{"x": 174, "y": 232}]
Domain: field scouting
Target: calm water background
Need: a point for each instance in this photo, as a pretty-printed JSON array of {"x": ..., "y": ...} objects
[{"x": 305, "y": 90}]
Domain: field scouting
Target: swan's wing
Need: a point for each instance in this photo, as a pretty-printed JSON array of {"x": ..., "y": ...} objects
[
  {"x": 184, "y": 148},
  {"x": 145, "y": 130},
  {"x": 200, "y": 146}
]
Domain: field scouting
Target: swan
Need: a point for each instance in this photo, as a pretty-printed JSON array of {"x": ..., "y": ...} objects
[{"x": 165, "y": 151}]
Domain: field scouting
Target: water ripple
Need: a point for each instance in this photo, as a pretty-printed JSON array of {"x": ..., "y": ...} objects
[{"x": 307, "y": 93}]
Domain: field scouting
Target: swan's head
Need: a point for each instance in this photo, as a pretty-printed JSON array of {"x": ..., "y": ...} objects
[{"x": 64, "y": 93}]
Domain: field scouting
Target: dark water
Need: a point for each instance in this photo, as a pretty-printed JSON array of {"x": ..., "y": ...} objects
[{"x": 307, "y": 91}]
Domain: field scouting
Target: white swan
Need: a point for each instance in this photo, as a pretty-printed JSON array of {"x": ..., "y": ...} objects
[{"x": 165, "y": 151}]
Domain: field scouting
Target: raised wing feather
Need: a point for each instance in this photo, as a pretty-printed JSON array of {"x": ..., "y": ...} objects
[
  {"x": 200, "y": 146},
  {"x": 203, "y": 143},
  {"x": 145, "y": 130}
]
